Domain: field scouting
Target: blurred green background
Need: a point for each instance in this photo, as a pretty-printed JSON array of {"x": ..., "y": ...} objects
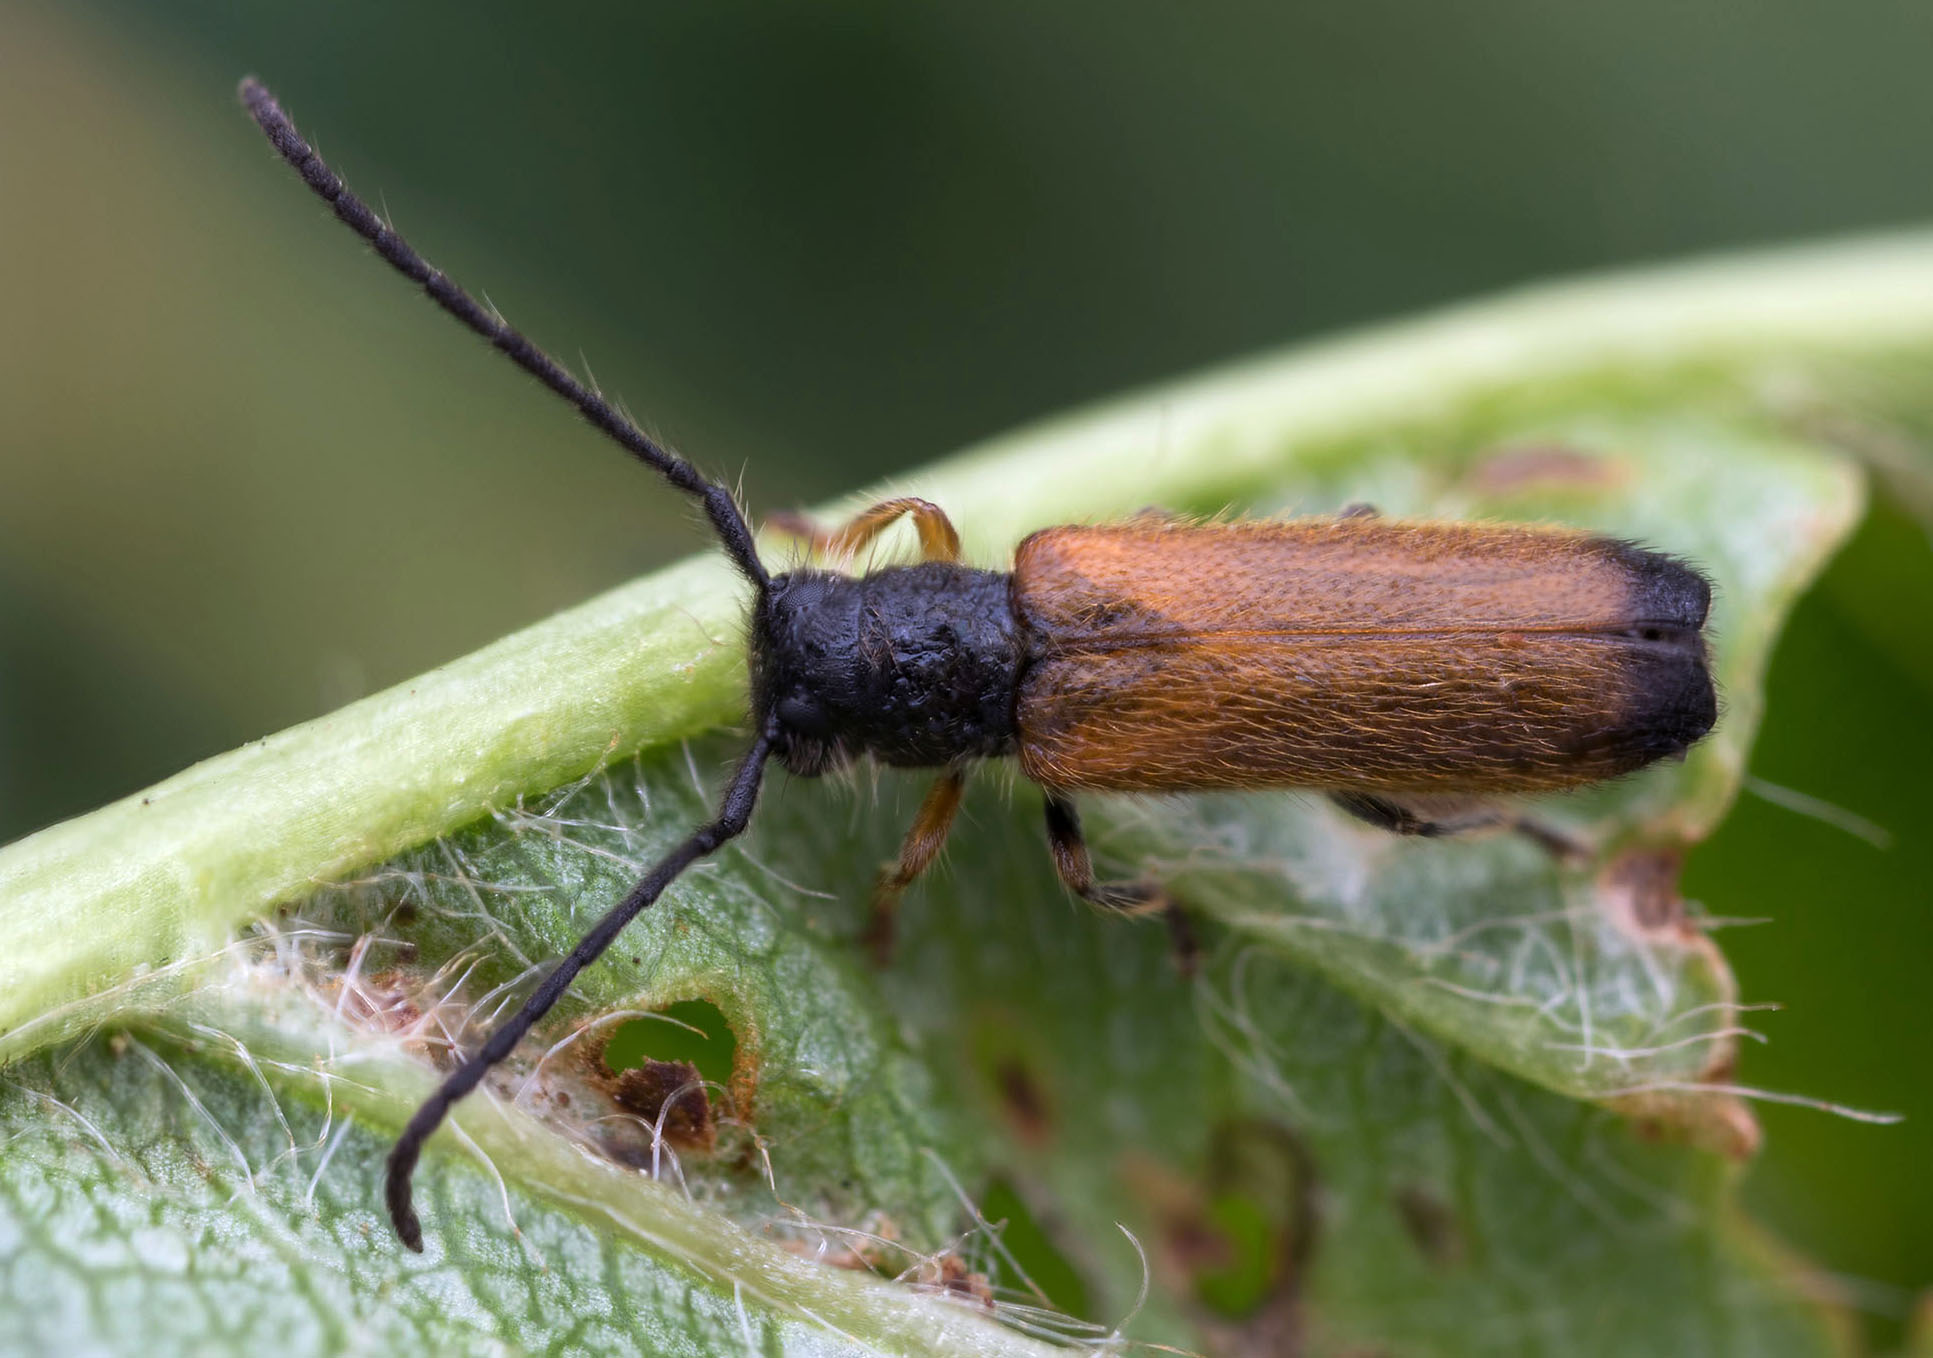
[{"x": 245, "y": 476}]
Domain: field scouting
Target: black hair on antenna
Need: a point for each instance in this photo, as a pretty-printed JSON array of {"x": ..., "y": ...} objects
[{"x": 736, "y": 810}]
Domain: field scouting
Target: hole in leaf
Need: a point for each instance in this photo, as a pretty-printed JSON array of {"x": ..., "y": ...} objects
[
  {"x": 1261, "y": 1203},
  {"x": 1237, "y": 1251},
  {"x": 664, "y": 1071},
  {"x": 1242, "y": 1232},
  {"x": 697, "y": 1035}
]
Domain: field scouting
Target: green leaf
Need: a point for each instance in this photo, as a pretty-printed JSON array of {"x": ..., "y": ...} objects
[{"x": 1396, "y": 1110}]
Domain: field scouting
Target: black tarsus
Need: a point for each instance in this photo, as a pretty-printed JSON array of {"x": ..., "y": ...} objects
[
  {"x": 1393, "y": 816},
  {"x": 720, "y": 508},
  {"x": 1076, "y": 869},
  {"x": 1388, "y": 814},
  {"x": 734, "y": 813}
]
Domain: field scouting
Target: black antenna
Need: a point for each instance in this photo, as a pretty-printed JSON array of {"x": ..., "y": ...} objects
[
  {"x": 725, "y": 517},
  {"x": 734, "y": 813}
]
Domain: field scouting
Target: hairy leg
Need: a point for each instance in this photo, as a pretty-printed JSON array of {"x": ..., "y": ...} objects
[
  {"x": 939, "y": 540},
  {"x": 922, "y": 845},
  {"x": 1390, "y": 814},
  {"x": 1076, "y": 869}
]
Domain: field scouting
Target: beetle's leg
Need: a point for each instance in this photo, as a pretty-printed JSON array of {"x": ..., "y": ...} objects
[
  {"x": 1076, "y": 867},
  {"x": 939, "y": 541},
  {"x": 916, "y": 854},
  {"x": 794, "y": 524},
  {"x": 1399, "y": 819},
  {"x": 1076, "y": 870}
]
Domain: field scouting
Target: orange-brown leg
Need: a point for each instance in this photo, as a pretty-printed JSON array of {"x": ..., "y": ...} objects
[
  {"x": 922, "y": 846},
  {"x": 1076, "y": 869},
  {"x": 939, "y": 541}
]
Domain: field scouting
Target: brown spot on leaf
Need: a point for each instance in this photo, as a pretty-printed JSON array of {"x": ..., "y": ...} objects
[
  {"x": 1023, "y": 1100},
  {"x": 745, "y": 1057},
  {"x": 1718, "y": 1121},
  {"x": 1431, "y": 1225},
  {"x": 872, "y": 1250},
  {"x": 868, "y": 1251},
  {"x": 1195, "y": 1243},
  {"x": 1545, "y": 466},
  {"x": 385, "y": 1001},
  {"x": 1275, "y": 1331},
  {"x": 671, "y": 1097},
  {"x": 1639, "y": 890},
  {"x": 949, "y": 1273}
]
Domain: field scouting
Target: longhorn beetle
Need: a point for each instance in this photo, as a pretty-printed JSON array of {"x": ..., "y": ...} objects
[{"x": 1395, "y": 666}]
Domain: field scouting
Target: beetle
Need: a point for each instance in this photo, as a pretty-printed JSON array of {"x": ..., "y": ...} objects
[{"x": 1399, "y": 667}]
